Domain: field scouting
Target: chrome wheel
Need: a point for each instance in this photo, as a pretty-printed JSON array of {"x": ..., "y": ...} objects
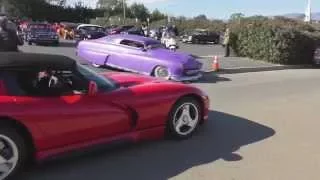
[
  {"x": 96, "y": 65},
  {"x": 9, "y": 156},
  {"x": 161, "y": 72},
  {"x": 186, "y": 119}
]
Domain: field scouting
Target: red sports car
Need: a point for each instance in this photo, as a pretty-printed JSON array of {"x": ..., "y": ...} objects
[{"x": 51, "y": 105}]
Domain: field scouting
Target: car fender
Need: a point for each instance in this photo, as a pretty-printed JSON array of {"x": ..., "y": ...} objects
[{"x": 165, "y": 94}]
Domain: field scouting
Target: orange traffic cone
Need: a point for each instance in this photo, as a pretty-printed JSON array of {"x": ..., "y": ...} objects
[{"x": 215, "y": 64}]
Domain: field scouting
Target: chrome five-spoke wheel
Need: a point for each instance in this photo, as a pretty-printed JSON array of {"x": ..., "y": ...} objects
[
  {"x": 13, "y": 151},
  {"x": 9, "y": 156},
  {"x": 184, "y": 118}
]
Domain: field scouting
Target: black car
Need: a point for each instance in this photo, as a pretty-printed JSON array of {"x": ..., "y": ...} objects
[
  {"x": 41, "y": 33},
  {"x": 135, "y": 31},
  {"x": 89, "y": 31},
  {"x": 201, "y": 36},
  {"x": 118, "y": 30}
]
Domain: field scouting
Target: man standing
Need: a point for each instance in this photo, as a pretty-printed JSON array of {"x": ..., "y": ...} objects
[
  {"x": 9, "y": 38},
  {"x": 145, "y": 29},
  {"x": 226, "y": 43}
]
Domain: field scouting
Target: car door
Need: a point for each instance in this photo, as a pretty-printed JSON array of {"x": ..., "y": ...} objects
[
  {"x": 131, "y": 56},
  {"x": 72, "y": 118}
]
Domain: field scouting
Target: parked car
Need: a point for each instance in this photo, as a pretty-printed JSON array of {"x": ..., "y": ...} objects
[
  {"x": 135, "y": 31},
  {"x": 51, "y": 105},
  {"x": 201, "y": 36},
  {"x": 41, "y": 33},
  {"x": 89, "y": 31},
  {"x": 142, "y": 55},
  {"x": 120, "y": 29}
]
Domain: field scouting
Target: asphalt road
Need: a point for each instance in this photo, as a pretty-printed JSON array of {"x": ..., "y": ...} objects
[{"x": 261, "y": 126}]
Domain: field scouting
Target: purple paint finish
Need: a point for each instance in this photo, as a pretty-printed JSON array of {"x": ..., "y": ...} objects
[{"x": 109, "y": 51}]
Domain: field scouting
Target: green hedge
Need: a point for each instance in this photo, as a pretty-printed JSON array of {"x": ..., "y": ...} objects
[{"x": 279, "y": 40}]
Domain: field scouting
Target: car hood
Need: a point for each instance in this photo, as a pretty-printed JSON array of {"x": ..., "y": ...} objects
[
  {"x": 129, "y": 79},
  {"x": 179, "y": 57}
]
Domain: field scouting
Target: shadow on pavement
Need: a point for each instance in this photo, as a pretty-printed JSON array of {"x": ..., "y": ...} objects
[
  {"x": 67, "y": 44},
  {"x": 221, "y": 136},
  {"x": 212, "y": 77},
  {"x": 61, "y": 44}
]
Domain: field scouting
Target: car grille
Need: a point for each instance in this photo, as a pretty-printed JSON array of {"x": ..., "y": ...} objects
[{"x": 44, "y": 37}]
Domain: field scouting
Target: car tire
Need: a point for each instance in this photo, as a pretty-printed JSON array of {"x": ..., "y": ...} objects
[
  {"x": 184, "y": 118},
  {"x": 161, "y": 72},
  {"x": 12, "y": 144},
  {"x": 29, "y": 43}
]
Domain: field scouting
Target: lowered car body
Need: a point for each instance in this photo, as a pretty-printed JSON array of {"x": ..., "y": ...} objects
[{"x": 141, "y": 55}]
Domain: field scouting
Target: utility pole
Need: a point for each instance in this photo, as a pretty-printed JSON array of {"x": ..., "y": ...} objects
[
  {"x": 124, "y": 11},
  {"x": 308, "y": 12}
]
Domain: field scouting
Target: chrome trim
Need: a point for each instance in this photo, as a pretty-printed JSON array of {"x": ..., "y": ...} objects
[{"x": 126, "y": 69}]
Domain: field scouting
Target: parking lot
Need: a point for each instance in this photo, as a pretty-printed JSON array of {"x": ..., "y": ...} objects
[
  {"x": 255, "y": 131},
  {"x": 67, "y": 48}
]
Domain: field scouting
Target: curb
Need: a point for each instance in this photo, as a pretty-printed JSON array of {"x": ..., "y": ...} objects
[{"x": 260, "y": 69}]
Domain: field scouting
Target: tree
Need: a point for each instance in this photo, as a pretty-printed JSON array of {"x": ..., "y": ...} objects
[
  {"x": 201, "y": 17},
  {"x": 57, "y": 2},
  {"x": 108, "y": 4},
  {"x": 236, "y": 16},
  {"x": 111, "y": 7},
  {"x": 156, "y": 15},
  {"x": 139, "y": 11}
]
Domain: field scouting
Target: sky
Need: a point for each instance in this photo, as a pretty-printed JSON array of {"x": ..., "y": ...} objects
[{"x": 222, "y": 9}]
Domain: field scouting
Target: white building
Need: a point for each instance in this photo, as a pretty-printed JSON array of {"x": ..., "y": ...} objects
[{"x": 308, "y": 12}]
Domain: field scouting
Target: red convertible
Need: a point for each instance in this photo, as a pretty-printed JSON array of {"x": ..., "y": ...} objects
[{"x": 51, "y": 105}]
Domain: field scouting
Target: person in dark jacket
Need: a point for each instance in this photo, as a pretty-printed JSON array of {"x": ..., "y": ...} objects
[
  {"x": 226, "y": 42},
  {"x": 9, "y": 38}
]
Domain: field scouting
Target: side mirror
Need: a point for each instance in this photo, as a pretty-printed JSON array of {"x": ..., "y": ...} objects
[{"x": 93, "y": 88}]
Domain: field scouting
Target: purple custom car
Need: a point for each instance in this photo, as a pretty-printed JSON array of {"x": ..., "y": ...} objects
[{"x": 141, "y": 55}]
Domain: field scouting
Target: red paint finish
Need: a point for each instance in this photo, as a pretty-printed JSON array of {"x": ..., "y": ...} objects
[{"x": 137, "y": 111}]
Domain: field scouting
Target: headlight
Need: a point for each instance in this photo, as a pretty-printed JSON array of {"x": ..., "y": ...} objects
[
  {"x": 89, "y": 36},
  {"x": 190, "y": 38}
]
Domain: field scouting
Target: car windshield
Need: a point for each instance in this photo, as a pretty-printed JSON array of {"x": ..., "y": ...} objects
[
  {"x": 200, "y": 32},
  {"x": 42, "y": 29},
  {"x": 93, "y": 28},
  {"x": 104, "y": 84},
  {"x": 155, "y": 46}
]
